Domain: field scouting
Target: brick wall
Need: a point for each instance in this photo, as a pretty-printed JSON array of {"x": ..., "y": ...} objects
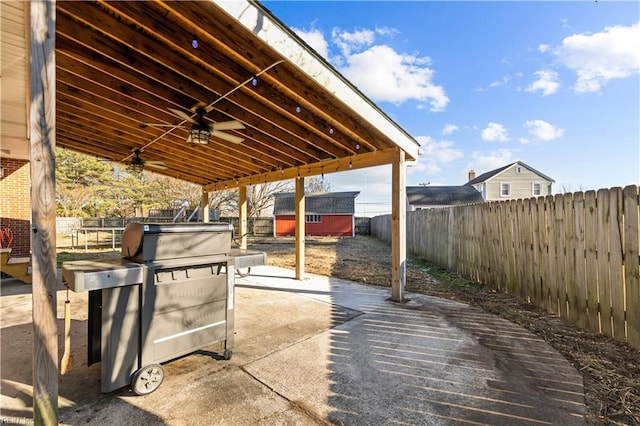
[{"x": 15, "y": 204}]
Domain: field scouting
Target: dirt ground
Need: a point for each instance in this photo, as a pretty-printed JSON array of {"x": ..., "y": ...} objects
[{"x": 611, "y": 370}]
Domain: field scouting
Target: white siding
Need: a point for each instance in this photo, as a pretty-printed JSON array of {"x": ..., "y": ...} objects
[{"x": 521, "y": 184}]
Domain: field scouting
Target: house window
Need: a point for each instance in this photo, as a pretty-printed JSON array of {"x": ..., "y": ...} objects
[
  {"x": 313, "y": 218},
  {"x": 518, "y": 170},
  {"x": 505, "y": 189},
  {"x": 536, "y": 189}
]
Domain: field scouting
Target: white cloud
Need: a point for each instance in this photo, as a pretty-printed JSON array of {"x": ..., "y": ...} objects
[
  {"x": 386, "y": 75},
  {"x": 494, "y": 132},
  {"x": 547, "y": 82},
  {"x": 600, "y": 57},
  {"x": 543, "y": 48},
  {"x": 496, "y": 83},
  {"x": 424, "y": 168},
  {"x": 542, "y": 130},
  {"x": 315, "y": 39},
  {"x": 440, "y": 151},
  {"x": 348, "y": 41},
  {"x": 435, "y": 153},
  {"x": 386, "y": 31},
  {"x": 483, "y": 162},
  {"x": 505, "y": 80},
  {"x": 378, "y": 70},
  {"x": 449, "y": 129}
]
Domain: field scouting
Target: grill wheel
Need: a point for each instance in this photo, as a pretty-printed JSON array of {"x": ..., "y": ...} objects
[{"x": 147, "y": 379}]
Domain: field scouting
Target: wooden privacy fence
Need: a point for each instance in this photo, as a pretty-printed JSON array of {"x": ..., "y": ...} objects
[
  {"x": 256, "y": 226},
  {"x": 576, "y": 255}
]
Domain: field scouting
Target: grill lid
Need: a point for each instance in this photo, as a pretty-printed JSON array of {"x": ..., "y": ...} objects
[
  {"x": 150, "y": 242},
  {"x": 132, "y": 240}
]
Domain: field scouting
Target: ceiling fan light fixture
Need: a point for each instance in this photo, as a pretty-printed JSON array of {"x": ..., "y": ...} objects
[
  {"x": 199, "y": 135},
  {"x": 194, "y": 41},
  {"x": 136, "y": 166}
]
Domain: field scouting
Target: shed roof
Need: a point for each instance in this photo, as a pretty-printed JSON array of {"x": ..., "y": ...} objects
[
  {"x": 316, "y": 203},
  {"x": 442, "y": 195},
  {"x": 490, "y": 174}
]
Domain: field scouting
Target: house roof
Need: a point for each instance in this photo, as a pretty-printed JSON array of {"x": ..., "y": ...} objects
[
  {"x": 490, "y": 174},
  {"x": 316, "y": 203},
  {"x": 442, "y": 195}
]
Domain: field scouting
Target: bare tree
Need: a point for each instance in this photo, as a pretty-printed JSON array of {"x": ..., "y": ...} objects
[
  {"x": 260, "y": 197},
  {"x": 316, "y": 184},
  {"x": 225, "y": 201},
  {"x": 567, "y": 188}
]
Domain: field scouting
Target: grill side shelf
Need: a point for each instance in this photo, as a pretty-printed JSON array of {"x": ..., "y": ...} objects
[{"x": 86, "y": 275}]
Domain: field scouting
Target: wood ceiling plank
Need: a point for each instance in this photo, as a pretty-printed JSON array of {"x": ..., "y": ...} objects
[
  {"x": 67, "y": 102},
  {"x": 117, "y": 92},
  {"x": 154, "y": 19},
  {"x": 128, "y": 85},
  {"x": 234, "y": 38},
  {"x": 176, "y": 74},
  {"x": 89, "y": 146},
  {"x": 202, "y": 162},
  {"x": 125, "y": 64}
]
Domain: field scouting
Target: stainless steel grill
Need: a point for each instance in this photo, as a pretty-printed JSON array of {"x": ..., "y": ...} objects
[{"x": 166, "y": 297}]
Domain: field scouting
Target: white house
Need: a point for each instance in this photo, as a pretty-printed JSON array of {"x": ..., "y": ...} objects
[{"x": 515, "y": 180}]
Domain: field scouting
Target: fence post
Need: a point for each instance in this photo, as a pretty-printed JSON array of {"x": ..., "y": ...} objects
[{"x": 631, "y": 261}]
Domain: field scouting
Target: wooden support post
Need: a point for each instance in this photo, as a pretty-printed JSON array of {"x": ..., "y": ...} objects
[
  {"x": 398, "y": 227},
  {"x": 242, "y": 216},
  {"x": 43, "y": 211},
  {"x": 204, "y": 204},
  {"x": 300, "y": 220}
]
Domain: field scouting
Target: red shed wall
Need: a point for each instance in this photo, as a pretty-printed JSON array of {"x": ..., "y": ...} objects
[
  {"x": 15, "y": 204},
  {"x": 331, "y": 225}
]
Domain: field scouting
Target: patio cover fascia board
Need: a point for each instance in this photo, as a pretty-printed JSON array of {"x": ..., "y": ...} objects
[
  {"x": 278, "y": 36},
  {"x": 360, "y": 161}
]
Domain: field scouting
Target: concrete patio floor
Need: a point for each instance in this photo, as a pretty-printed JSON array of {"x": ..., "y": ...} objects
[{"x": 318, "y": 351}]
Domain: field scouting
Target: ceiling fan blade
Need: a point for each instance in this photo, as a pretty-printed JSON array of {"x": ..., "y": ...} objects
[
  {"x": 183, "y": 115},
  {"x": 155, "y": 164},
  {"x": 227, "y": 137},
  {"x": 162, "y": 125},
  {"x": 227, "y": 125}
]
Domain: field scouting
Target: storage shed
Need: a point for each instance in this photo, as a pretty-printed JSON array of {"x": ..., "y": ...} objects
[{"x": 326, "y": 214}]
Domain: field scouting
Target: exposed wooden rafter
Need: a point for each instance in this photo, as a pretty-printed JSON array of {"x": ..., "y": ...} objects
[{"x": 121, "y": 66}]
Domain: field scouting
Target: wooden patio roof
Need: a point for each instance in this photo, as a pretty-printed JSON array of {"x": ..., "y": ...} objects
[{"x": 120, "y": 66}]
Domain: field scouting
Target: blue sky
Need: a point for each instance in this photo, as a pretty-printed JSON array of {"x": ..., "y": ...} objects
[{"x": 482, "y": 84}]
